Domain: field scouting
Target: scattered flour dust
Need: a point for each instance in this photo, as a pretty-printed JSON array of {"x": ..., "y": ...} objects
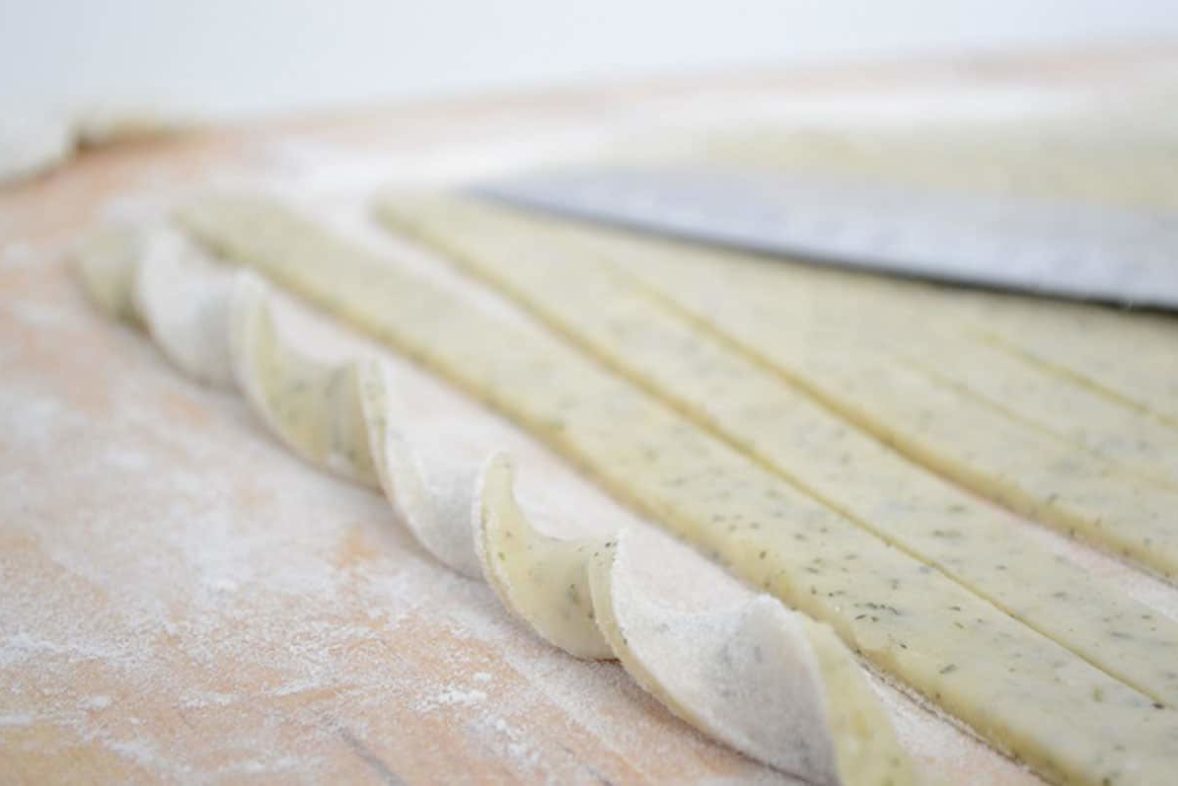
[
  {"x": 95, "y": 702},
  {"x": 450, "y": 696}
]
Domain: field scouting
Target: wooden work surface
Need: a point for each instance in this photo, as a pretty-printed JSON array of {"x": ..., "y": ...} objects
[{"x": 181, "y": 600}]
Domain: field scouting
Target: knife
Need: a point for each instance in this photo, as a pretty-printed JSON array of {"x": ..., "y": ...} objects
[{"x": 1067, "y": 249}]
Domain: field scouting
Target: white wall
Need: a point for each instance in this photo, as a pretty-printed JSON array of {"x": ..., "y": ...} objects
[{"x": 239, "y": 57}]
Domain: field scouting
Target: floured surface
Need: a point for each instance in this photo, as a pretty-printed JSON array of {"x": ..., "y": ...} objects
[
  {"x": 297, "y": 629},
  {"x": 185, "y": 600},
  {"x": 186, "y": 597}
]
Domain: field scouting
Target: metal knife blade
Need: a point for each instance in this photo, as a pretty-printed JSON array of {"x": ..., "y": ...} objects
[{"x": 1065, "y": 249}]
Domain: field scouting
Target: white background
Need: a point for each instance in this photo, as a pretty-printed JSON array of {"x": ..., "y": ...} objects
[{"x": 243, "y": 57}]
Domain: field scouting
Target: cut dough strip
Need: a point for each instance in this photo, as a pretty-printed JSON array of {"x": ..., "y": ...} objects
[
  {"x": 751, "y": 675},
  {"x": 314, "y": 407},
  {"x": 431, "y": 489},
  {"x": 580, "y": 294},
  {"x": 1036, "y": 474},
  {"x": 185, "y": 307},
  {"x": 1118, "y": 434},
  {"x": 1122, "y": 156},
  {"x": 1126, "y": 358},
  {"x": 341, "y": 417},
  {"x": 107, "y": 261},
  {"x": 1091, "y": 350},
  {"x": 544, "y": 580},
  {"x": 765, "y": 680},
  {"x": 773, "y": 316},
  {"x": 151, "y": 277},
  {"x": 1017, "y": 689},
  {"x": 218, "y": 328}
]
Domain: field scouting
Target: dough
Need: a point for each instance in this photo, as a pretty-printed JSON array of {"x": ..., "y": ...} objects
[
  {"x": 767, "y": 681},
  {"x": 753, "y": 675},
  {"x": 1125, "y": 437},
  {"x": 107, "y": 261},
  {"x": 543, "y": 580},
  {"x": 1016, "y": 688},
  {"x": 185, "y": 305},
  {"x": 431, "y": 486},
  {"x": 1122, "y": 156},
  {"x": 1089, "y": 346},
  {"x": 563, "y": 282},
  {"x": 771, "y": 316},
  {"x": 216, "y": 326},
  {"x": 314, "y": 407},
  {"x": 344, "y": 417}
]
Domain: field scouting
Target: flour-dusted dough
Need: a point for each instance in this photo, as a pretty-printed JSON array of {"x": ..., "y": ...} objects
[
  {"x": 186, "y": 305},
  {"x": 550, "y": 269},
  {"x": 1088, "y": 346},
  {"x": 1119, "y": 155},
  {"x": 335, "y": 414},
  {"x": 151, "y": 276},
  {"x": 776, "y": 317},
  {"x": 543, "y": 580},
  {"x": 216, "y": 326},
  {"x": 107, "y": 260},
  {"x": 1133, "y": 440},
  {"x": 769, "y": 682},
  {"x": 314, "y": 407},
  {"x": 1017, "y": 689},
  {"x": 1122, "y": 156},
  {"x": 430, "y": 485}
]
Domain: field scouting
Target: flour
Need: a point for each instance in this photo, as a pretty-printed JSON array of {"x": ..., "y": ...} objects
[
  {"x": 451, "y": 696},
  {"x": 95, "y": 703},
  {"x": 19, "y": 719},
  {"x": 17, "y": 255}
]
